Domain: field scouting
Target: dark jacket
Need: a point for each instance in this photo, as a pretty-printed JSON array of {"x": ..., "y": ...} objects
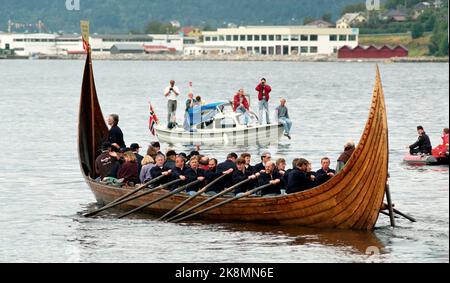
[
  {"x": 239, "y": 176},
  {"x": 116, "y": 136},
  {"x": 423, "y": 144},
  {"x": 265, "y": 179},
  {"x": 227, "y": 181},
  {"x": 259, "y": 167},
  {"x": 322, "y": 176},
  {"x": 129, "y": 172},
  {"x": 170, "y": 164},
  {"x": 298, "y": 181},
  {"x": 139, "y": 159},
  {"x": 193, "y": 175},
  {"x": 156, "y": 172}
]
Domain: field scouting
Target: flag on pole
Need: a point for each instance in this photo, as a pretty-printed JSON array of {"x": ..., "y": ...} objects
[{"x": 153, "y": 121}]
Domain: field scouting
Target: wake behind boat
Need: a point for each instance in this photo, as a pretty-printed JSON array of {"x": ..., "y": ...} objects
[{"x": 217, "y": 124}]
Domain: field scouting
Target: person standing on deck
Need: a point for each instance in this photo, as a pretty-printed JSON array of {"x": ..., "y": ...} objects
[
  {"x": 115, "y": 136},
  {"x": 264, "y": 91},
  {"x": 283, "y": 118},
  {"x": 190, "y": 104},
  {"x": 172, "y": 92}
]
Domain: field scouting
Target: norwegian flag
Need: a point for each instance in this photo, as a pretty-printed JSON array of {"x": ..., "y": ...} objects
[{"x": 153, "y": 121}]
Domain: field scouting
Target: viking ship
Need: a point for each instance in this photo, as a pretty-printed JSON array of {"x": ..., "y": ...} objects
[{"x": 353, "y": 199}]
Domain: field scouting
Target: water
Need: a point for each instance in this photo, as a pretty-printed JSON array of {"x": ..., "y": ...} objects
[{"x": 43, "y": 193}]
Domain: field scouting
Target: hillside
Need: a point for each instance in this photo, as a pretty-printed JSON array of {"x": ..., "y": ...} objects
[{"x": 123, "y": 16}]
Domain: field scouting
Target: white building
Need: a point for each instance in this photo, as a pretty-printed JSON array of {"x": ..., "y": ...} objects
[
  {"x": 25, "y": 44},
  {"x": 350, "y": 19},
  {"x": 283, "y": 40},
  {"x": 202, "y": 49}
]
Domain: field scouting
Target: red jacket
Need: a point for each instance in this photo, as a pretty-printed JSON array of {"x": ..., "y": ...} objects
[
  {"x": 267, "y": 90},
  {"x": 237, "y": 102}
]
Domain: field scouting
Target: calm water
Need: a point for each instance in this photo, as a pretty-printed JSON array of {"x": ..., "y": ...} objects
[{"x": 43, "y": 194}]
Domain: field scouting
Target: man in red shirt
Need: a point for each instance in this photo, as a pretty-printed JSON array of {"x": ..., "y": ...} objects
[
  {"x": 264, "y": 90},
  {"x": 241, "y": 105}
]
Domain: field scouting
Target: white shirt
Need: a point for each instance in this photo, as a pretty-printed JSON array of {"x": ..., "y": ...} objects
[{"x": 172, "y": 95}]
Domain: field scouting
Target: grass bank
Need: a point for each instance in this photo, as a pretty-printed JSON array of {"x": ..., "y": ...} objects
[{"x": 417, "y": 47}]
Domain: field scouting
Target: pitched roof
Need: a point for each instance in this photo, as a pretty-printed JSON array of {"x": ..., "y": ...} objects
[{"x": 320, "y": 23}]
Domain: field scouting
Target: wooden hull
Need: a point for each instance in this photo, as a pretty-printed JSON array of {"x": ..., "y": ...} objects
[
  {"x": 263, "y": 135},
  {"x": 351, "y": 200}
]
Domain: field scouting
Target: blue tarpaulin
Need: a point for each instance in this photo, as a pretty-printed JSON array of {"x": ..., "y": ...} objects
[{"x": 205, "y": 113}]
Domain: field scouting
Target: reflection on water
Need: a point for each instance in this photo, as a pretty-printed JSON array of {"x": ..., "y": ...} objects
[{"x": 42, "y": 191}]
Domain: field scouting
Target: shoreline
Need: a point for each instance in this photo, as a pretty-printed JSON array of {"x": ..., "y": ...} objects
[{"x": 234, "y": 58}]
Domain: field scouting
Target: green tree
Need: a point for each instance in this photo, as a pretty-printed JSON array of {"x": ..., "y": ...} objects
[
  {"x": 327, "y": 17},
  {"x": 417, "y": 30},
  {"x": 155, "y": 27},
  {"x": 308, "y": 20},
  {"x": 360, "y": 7}
]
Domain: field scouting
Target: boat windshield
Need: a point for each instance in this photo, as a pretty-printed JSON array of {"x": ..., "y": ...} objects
[{"x": 205, "y": 113}]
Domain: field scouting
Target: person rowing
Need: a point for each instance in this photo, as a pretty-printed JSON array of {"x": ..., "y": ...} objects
[{"x": 422, "y": 145}]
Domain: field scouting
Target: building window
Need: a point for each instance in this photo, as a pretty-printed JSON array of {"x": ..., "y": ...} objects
[
  {"x": 264, "y": 37},
  {"x": 294, "y": 37},
  {"x": 214, "y": 38},
  {"x": 249, "y": 50},
  {"x": 271, "y": 50},
  {"x": 235, "y": 37},
  {"x": 257, "y": 50},
  {"x": 285, "y": 37},
  {"x": 207, "y": 38},
  {"x": 264, "y": 50},
  {"x": 221, "y": 38},
  {"x": 313, "y": 37},
  {"x": 304, "y": 37},
  {"x": 271, "y": 37},
  {"x": 257, "y": 37},
  {"x": 304, "y": 49},
  {"x": 343, "y": 37},
  {"x": 352, "y": 37},
  {"x": 294, "y": 50},
  {"x": 242, "y": 38},
  {"x": 335, "y": 49},
  {"x": 313, "y": 49},
  {"x": 278, "y": 37},
  {"x": 250, "y": 37},
  {"x": 228, "y": 38},
  {"x": 333, "y": 37}
]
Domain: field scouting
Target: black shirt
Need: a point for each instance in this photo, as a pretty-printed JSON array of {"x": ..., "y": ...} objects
[
  {"x": 156, "y": 171},
  {"x": 423, "y": 143},
  {"x": 265, "y": 179},
  {"x": 239, "y": 176},
  {"x": 227, "y": 181},
  {"x": 116, "y": 136},
  {"x": 298, "y": 181},
  {"x": 322, "y": 176}
]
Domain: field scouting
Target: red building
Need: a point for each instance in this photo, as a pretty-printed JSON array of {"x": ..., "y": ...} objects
[{"x": 372, "y": 52}]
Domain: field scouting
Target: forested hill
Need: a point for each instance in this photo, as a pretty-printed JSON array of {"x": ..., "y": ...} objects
[{"x": 123, "y": 16}]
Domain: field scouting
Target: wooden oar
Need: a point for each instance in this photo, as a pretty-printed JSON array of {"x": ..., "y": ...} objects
[
  {"x": 204, "y": 190},
  {"x": 160, "y": 198},
  {"x": 143, "y": 186},
  {"x": 162, "y": 187},
  {"x": 210, "y": 199},
  {"x": 223, "y": 203}
]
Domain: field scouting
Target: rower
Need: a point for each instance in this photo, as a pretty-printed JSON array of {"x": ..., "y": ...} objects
[
  {"x": 227, "y": 168},
  {"x": 160, "y": 169},
  {"x": 265, "y": 157},
  {"x": 195, "y": 173},
  {"x": 242, "y": 174},
  {"x": 298, "y": 180},
  {"x": 270, "y": 176},
  {"x": 422, "y": 145},
  {"x": 248, "y": 160},
  {"x": 325, "y": 173}
]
